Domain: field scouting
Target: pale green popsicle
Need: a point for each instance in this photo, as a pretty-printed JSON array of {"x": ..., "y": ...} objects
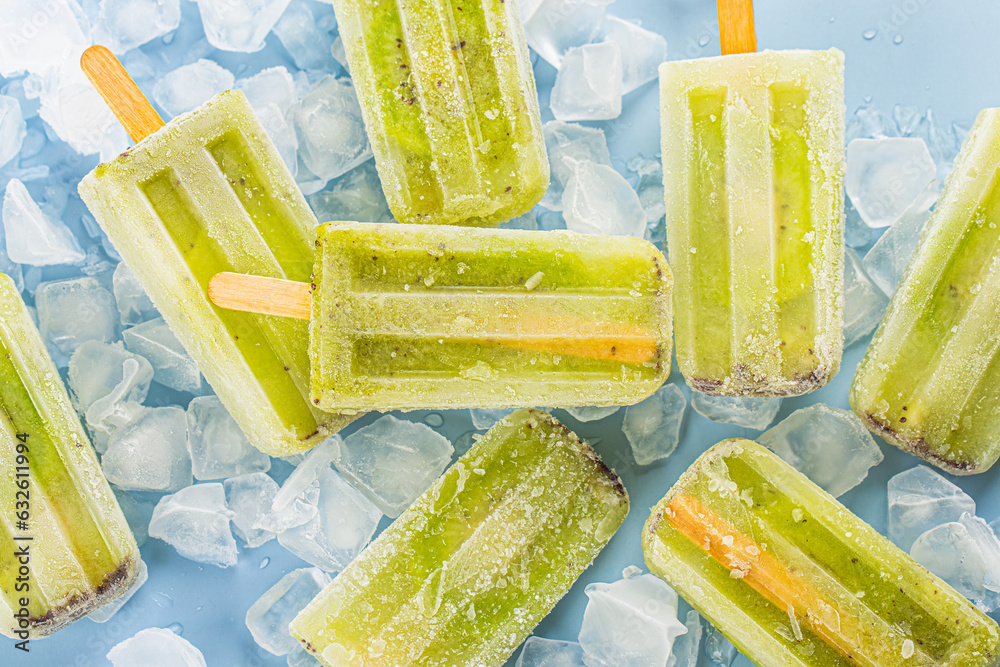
[
  {"x": 65, "y": 547},
  {"x": 449, "y": 102},
  {"x": 753, "y": 164},
  {"x": 930, "y": 380},
  {"x": 794, "y": 579},
  {"x": 209, "y": 193},
  {"x": 428, "y": 316},
  {"x": 463, "y": 576}
]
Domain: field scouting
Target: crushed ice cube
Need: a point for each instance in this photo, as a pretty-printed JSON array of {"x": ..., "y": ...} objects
[
  {"x": 172, "y": 366},
  {"x": 592, "y": 413},
  {"x": 856, "y": 233},
  {"x": 887, "y": 260},
  {"x": 305, "y": 32},
  {"x": 37, "y": 37},
  {"x": 300, "y": 657},
  {"x": 156, "y": 646},
  {"x": 887, "y": 176},
  {"x": 269, "y": 616},
  {"x": 950, "y": 552},
  {"x": 746, "y": 411},
  {"x": 589, "y": 83},
  {"x": 828, "y": 445},
  {"x": 331, "y": 132},
  {"x": 218, "y": 447},
  {"x": 718, "y": 649},
  {"x": 125, "y": 24},
  {"x": 864, "y": 301},
  {"x": 357, "y": 195},
  {"x": 151, "y": 453},
  {"x": 650, "y": 189},
  {"x": 10, "y": 269},
  {"x": 642, "y": 50},
  {"x": 630, "y": 622},
  {"x": 104, "y": 614},
  {"x": 686, "y": 648},
  {"x": 109, "y": 384},
  {"x": 272, "y": 118},
  {"x": 920, "y": 499},
  {"x": 195, "y": 521},
  {"x": 250, "y": 497},
  {"x": 134, "y": 305},
  {"x": 189, "y": 86},
  {"x": 867, "y": 122},
  {"x": 71, "y": 312},
  {"x": 295, "y": 502},
  {"x": 598, "y": 200},
  {"x": 273, "y": 85},
  {"x": 32, "y": 236},
  {"x": 12, "y": 129},
  {"x": 552, "y": 27},
  {"x": 539, "y": 652},
  {"x": 485, "y": 418},
  {"x": 653, "y": 426},
  {"x": 393, "y": 461},
  {"x": 239, "y": 26},
  {"x": 570, "y": 140}
]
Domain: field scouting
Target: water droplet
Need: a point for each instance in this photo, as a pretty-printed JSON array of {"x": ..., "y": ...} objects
[
  {"x": 176, "y": 628},
  {"x": 704, "y": 39},
  {"x": 868, "y": 99},
  {"x": 898, "y": 39},
  {"x": 264, "y": 563},
  {"x": 869, "y": 34},
  {"x": 434, "y": 419},
  {"x": 832, "y": 19}
]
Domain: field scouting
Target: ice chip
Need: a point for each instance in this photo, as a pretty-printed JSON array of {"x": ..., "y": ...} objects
[
  {"x": 134, "y": 305},
  {"x": 295, "y": 502},
  {"x": 331, "y": 132},
  {"x": 589, "y": 83},
  {"x": 217, "y": 445},
  {"x": 592, "y": 413},
  {"x": 393, "y": 461},
  {"x": 281, "y": 133},
  {"x": 887, "y": 176},
  {"x": 718, "y": 649},
  {"x": 34, "y": 36},
  {"x": 12, "y": 129},
  {"x": 856, "y": 233},
  {"x": 156, "y": 646},
  {"x": 650, "y": 189},
  {"x": 864, "y": 301},
  {"x": 125, "y": 24},
  {"x": 485, "y": 418},
  {"x": 642, "y": 51},
  {"x": 989, "y": 546},
  {"x": 304, "y": 31},
  {"x": 189, "y": 86},
  {"x": 273, "y": 85},
  {"x": 151, "y": 453},
  {"x": 630, "y": 622},
  {"x": 598, "y": 200},
  {"x": 343, "y": 524},
  {"x": 71, "y": 312},
  {"x": 570, "y": 140},
  {"x": 653, "y": 426},
  {"x": 357, "y": 195},
  {"x": 195, "y": 521},
  {"x": 828, "y": 445},
  {"x": 250, "y": 497},
  {"x": 869, "y": 123},
  {"x": 950, "y": 552},
  {"x": 539, "y": 652},
  {"x": 269, "y": 616},
  {"x": 239, "y": 25},
  {"x": 104, "y": 614},
  {"x": 920, "y": 499},
  {"x": 887, "y": 260},
  {"x": 749, "y": 412},
  {"x": 172, "y": 366},
  {"x": 687, "y": 647},
  {"x": 108, "y": 384},
  {"x": 32, "y": 237},
  {"x": 552, "y": 27}
]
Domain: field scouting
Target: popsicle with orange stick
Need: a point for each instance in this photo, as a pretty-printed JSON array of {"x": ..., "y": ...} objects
[{"x": 426, "y": 316}]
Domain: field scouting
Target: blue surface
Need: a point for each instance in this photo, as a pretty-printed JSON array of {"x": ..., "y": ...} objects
[{"x": 932, "y": 66}]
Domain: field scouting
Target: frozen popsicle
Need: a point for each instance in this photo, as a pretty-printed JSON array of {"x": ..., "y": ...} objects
[
  {"x": 930, "y": 381},
  {"x": 429, "y": 316},
  {"x": 449, "y": 102},
  {"x": 209, "y": 193},
  {"x": 753, "y": 162},
  {"x": 791, "y": 577},
  {"x": 67, "y": 548},
  {"x": 463, "y": 576}
]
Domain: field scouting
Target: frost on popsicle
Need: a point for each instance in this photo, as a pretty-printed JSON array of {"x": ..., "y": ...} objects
[{"x": 468, "y": 570}]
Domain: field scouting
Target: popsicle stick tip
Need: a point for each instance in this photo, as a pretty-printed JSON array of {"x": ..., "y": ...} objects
[
  {"x": 736, "y": 26},
  {"x": 118, "y": 89},
  {"x": 260, "y": 294}
]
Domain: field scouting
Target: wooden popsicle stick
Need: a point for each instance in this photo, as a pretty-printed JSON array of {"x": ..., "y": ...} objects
[
  {"x": 736, "y": 29},
  {"x": 118, "y": 89},
  {"x": 285, "y": 298},
  {"x": 762, "y": 571}
]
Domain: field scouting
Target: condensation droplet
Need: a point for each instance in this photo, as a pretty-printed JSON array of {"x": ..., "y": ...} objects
[
  {"x": 704, "y": 39},
  {"x": 898, "y": 39},
  {"x": 869, "y": 34}
]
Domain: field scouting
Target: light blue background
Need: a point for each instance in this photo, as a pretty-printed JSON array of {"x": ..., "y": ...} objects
[{"x": 947, "y": 60}]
